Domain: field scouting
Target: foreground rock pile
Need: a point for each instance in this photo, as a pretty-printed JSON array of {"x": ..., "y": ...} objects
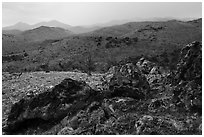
[{"x": 140, "y": 99}]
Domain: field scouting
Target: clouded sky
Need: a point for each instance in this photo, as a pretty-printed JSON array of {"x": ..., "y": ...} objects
[{"x": 93, "y": 13}]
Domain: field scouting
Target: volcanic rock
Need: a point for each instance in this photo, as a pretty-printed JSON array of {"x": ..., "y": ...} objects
[
  {"x": 145, "y": 66},
  {"x": 190, "y": 65},
  {"x": 188, "y": 91},
  {"x": 128, "y": 81},
  {"x": 106, "y": 118},
  {"x": 159, "y": 125},
  {"x": 67, "y": 98}
]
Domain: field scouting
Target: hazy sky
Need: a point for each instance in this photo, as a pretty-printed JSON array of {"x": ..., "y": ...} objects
[{"x": 93, "y": 13}]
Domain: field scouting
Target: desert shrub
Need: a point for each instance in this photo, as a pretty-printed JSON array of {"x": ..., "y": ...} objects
[
  {"x": 13, "y": 57},
  {"x": 101, "y": 67},
  {"x": 32, "y": 67},
  {"x": 109, "y": 38},
  {"x": 135, "y": 39},
  {"x": 44, "y": 67},
  {"x": 89, "y": 63},
  {"x": 108, "y": 45},
  {"x": 98, "y": 44},
  {"x": 10, "y": 68},
  {"x": 54, "y": 66}
]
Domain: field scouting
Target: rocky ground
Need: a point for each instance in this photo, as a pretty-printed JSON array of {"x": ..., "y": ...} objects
[
  {"x": 17, "y": 86},
  {"x": 141, "y": 99}
]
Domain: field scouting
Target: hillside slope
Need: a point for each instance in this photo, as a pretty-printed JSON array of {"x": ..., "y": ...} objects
[
  {"x": 19, "y": 41},
  {"x": 12, "y": 32},
  {"x": 43, "y": 33},
  {"x": 133, "y": 29},
  {"x": 159, "y": 41}
]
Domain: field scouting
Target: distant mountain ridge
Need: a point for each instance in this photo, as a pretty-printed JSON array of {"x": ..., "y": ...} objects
[
  {"x": 18, "y": 26},
  {"x": 53, "y": 23},
  {"x": 24, "y": 26},
  {"x": 83, "y": 29},
  {"x": 45, "y": 33}
]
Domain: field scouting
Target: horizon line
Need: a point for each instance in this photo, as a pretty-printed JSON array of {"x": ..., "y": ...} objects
[{"x": 102, "y": 23}]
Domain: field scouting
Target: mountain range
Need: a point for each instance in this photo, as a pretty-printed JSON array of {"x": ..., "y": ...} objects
[
  {"x": 21, "y": 26},
  {"x": 24, "y": 26}
]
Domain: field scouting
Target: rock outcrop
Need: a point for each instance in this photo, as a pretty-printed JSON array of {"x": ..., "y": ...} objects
[
  {"x": 67, "y": 98},
  {"x": 140, "y": 99},
  {"x": 188, "y": 80},
  {"x": 128, "y": 81},
  {"x": 112, "y": 117},
  {"x": 145, "y": 65},
  {"x": 153, "y": 73}
]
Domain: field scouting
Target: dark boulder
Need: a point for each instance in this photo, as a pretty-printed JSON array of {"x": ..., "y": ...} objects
[
  {"x": 128, "y": 81},
  {"x": 188, "y": 80},
  {"x": 65, "y": 99},
  {"x": 190, "y": 65}
]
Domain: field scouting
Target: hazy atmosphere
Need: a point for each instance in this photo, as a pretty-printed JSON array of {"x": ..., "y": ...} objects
[
  {"x": 102, "y": 68},
  {"x": 94, "y": 13}
]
